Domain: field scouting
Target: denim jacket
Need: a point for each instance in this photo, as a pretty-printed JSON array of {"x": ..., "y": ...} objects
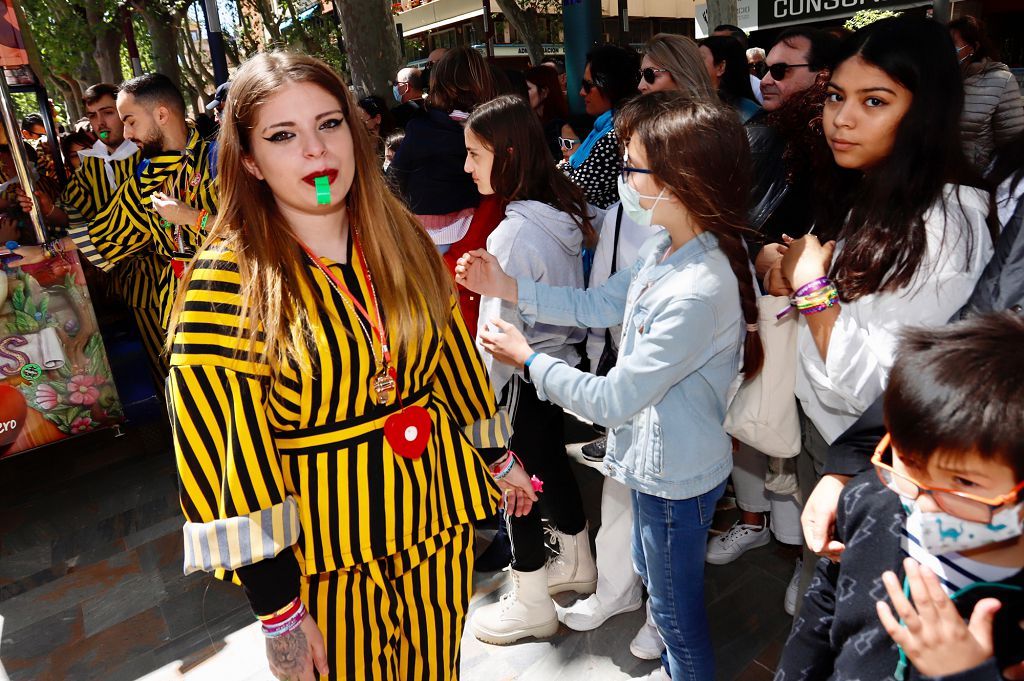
[{"x": 664, "y": 402}]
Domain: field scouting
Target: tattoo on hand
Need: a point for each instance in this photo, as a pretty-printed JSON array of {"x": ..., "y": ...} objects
[{"x": 288, "y": 653}]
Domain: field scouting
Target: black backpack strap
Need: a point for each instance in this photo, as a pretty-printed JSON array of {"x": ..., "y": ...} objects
[{"x": 615, "y": 244}]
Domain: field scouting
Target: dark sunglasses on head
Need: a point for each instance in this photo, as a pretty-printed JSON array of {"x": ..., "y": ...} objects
[
  {"x": 780, "y": 69},
  {"x": 650, "y": 75},
  {"x": 567, "y": 143}
]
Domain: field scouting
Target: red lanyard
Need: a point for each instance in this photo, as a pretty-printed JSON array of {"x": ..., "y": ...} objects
[{"x": 378, "y": 329}]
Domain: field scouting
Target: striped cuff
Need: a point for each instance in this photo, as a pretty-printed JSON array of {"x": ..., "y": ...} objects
[
  {"x": 493, "y": 432},
  {"x": 231, "y": 543},
  {"x": 79, "y": 233}
]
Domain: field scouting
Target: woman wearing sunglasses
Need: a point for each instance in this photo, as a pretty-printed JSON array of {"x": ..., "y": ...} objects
[
  {"x": 937, "y": 526},
  {"x": 608, "y": 81},
  {"x": 672, "y": 62}
]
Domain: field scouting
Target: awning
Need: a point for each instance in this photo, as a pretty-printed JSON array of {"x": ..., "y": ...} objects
[{"x": 444, "y": 22}]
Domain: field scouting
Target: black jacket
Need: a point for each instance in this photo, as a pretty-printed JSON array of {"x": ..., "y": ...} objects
[
  {"x": 428, "y": 168},
  {"x": 403, "y": 113},
  {"x": 838, "y": 634},
  {"x": 1001, "y": 286}
]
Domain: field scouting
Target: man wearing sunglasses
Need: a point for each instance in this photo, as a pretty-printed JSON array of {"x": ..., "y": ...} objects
[
  {"x": 931, "y": 582},
  {"x": 797, "y": 59}
]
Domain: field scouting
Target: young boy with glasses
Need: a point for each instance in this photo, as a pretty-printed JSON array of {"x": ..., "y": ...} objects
[{"x": 931, "y": 583}]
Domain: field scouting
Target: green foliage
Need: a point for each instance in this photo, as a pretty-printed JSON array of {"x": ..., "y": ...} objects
[{"x": 868, "y": 16}]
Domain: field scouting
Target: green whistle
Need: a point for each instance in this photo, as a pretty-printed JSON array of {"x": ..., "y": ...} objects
[
  {"x": 104, "y": 135},
  {"x": 323, "y": 190}
]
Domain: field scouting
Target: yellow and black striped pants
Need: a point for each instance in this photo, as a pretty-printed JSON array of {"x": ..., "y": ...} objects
[{"x": 399, "y": 618}]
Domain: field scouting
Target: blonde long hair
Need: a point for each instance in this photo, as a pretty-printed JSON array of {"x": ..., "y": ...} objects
[
  {"x": 681, "y": 57},
  {"x": 412, "y": 283}
]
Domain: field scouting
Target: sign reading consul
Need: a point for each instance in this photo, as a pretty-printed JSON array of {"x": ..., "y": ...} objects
[{"x": 783, "y": 12}]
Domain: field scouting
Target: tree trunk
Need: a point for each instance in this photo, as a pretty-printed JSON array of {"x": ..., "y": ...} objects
[
  {"x": 721, "y": 12},
  {"x": 72, "y": 103},
  {"x": 371, "y": 44},
  {"x": 107, "y": 52},
  {"x": 74, "y": 92},
  {"x": 304, "y": 40},
  {"x": 162, "y": 26},
  {"x": 527, "y": 24}
]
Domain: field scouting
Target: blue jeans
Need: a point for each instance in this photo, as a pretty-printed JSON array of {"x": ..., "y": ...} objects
[{"x": 670, "y": 538}]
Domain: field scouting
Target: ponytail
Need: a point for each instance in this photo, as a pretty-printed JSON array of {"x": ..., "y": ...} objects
[{"x": 753, "y": 350}]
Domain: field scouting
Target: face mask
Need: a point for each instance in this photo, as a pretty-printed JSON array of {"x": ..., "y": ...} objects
[
  {"x": 397, "y": 95},
  {"x": 941, "y": 533},
  {"x": 630, "y": 198}
]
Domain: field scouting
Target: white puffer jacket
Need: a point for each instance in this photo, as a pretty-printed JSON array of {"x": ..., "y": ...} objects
[{"x": 993, "y": 111}]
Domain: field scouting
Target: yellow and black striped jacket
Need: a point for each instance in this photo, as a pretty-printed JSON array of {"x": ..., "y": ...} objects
[
  {"x": 275, "y": 457},
  {"x": 128, "y": 226},
  {"x": 89, "y": 191}
]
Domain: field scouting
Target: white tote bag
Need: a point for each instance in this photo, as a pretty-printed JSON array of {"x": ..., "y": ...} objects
[{"x": 763, "y": 414}]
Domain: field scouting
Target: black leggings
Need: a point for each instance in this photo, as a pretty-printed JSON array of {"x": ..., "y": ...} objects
[{"x": 539, "y": 441}]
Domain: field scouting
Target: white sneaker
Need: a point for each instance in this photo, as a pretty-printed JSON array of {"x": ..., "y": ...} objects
[
  {"x": 647, "y": 644},
  {"x": 590, "y": 613},
  {"x": 658, "y": 674},
  {"x": 526, "y": 610},
  {"x": 794, "y": 588},
  {"x": 573, "y": 568},
  {"x": 734, "y": 543}
]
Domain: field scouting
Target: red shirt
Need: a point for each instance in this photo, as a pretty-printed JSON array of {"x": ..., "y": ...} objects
[{"x": 487, "y": 217}]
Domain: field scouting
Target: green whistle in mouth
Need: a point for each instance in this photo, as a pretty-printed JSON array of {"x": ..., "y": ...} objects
[
  {"x": 323, "y": 190},
  {"x": 104, "y": 135}
]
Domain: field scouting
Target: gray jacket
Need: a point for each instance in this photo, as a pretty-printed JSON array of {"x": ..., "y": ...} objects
[
  {"x": 993, "y": 111},
  {"x": 542, "y": 244},
  {"x": 1001, "y": 286}
]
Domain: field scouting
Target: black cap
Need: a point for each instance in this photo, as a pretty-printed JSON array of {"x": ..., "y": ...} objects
[{"x": 220, "y": 96}]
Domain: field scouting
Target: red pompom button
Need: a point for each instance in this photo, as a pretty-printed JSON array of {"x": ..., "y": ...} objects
[{"x": 408, "y": 431}]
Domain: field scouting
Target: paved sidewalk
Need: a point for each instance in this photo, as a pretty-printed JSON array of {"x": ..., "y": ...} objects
[{"x": 91, "y": 585}]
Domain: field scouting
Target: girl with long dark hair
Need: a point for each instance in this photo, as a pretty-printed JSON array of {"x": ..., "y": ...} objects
[
  {"x": 726, "y": 63},
  {"x": 687, "y": 305},
  {"x": 548, "y": 102},
  {"x": 914, "y": 234},
  {"x": 545, "y": 228}
]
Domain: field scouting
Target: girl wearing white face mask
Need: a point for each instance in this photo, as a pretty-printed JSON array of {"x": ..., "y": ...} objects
[{"x": 686, "y": 306}]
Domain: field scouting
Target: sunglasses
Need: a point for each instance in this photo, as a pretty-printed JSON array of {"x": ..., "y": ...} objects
[
  {"x": 780, "y": 69},
  {"x": 650, "y": 75},
  {"x": 567, "y": 143},
  {"x": 959, "y": 504},
  {"x": 588, "y": 85}
]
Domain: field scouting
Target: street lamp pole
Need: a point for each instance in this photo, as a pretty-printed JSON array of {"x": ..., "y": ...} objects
[{"x": 216, "y": 40}]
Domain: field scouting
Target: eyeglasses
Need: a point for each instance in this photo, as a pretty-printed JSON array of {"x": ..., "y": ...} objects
[
  {"x": 780, "y": 69},
  {"x": 650, "y": 75},
  {"x": 588, "y": 85},
  {"x": 567, "y": 143},
  {"x": 626, "y": 169},
  {"x": 960, "y": 504}
]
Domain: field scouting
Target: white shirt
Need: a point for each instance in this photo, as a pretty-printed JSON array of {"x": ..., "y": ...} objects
[
  {"x": 834, "y": 393},
  {"x": 101, "y": 150},
  {"x": 631, "y": 237},
  {"x": 755, "y": 85}
]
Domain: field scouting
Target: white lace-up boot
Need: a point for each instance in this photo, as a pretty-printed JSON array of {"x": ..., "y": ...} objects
[
  {"x": 526, "y": 610},
  {"x": 573, "y": 568}
]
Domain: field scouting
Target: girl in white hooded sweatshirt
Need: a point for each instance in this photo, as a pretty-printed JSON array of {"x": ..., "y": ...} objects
[{"x": 545, "y": 228}]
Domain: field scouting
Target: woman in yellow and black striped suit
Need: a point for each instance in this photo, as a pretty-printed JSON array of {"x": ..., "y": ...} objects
[{"x": 329, "y": 462}]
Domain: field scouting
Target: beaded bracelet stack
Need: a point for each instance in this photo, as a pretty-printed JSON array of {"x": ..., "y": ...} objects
[
  {"x": 284, "y": 621},
  {"x": 54, "y": 249},
  {"x": 816, "y": 296},
  {"x": 503, "y": 466}
]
